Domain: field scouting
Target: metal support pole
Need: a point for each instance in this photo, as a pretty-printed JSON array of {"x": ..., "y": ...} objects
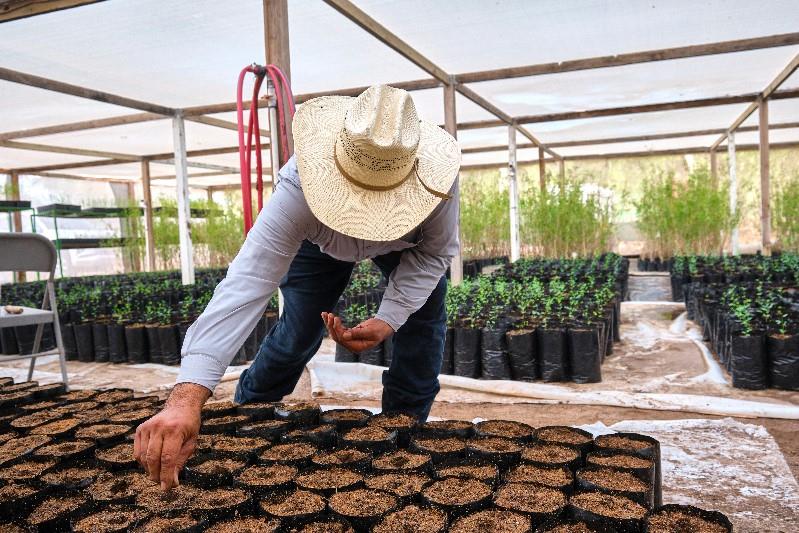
[
  {"x": 765, "y": 180},
  {"x": 562, "y": 171},
  {"x": 451, "y": 125},
  {"x": 149, "y": 242},
  {"x": 733, "y": 190},
  {"x": 274, "y": 134},
  {"x": 542, "y": 169},
  {"x": 130, "y": 225},
  {"x": 17, "y": 216},
  {"x": 184, "y": 212},
  {"x": 714, "y": 167},
  {"x": 513, "y": 186}
]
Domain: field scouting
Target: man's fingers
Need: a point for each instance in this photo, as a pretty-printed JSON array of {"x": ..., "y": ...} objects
[
  {"x": 183, "y": 455},
  {"x": 143, "y": 437},
  {"x": 154, "y": 448},
  {"x": 173, "y": 443}
]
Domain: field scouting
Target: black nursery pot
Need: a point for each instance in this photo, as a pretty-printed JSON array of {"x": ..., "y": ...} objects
[
  {"x": 223, "y": 502},
  {"x": 293, "y": 509},
  {"x": 684, "y": 518},
  {"x": 16, "y": 500},
  {"x": 551, "y": 349},
  {"x": 170, "y": 350},
  {"x": 612, "y": 481},
  {"x": 494, "y": 354},
  {"x": 345, "y": 419},
  {"x": 372, "y": 356},
  {"x": 388, "y": 351},
  {"x": 402, "y": 423},
  {"x": 101, "y": 343},
  {"x": 538, "y": 502},
  {"x": 362, "y": 508},
  {"x": 442, "y": 429},
  {"x": 266, "y": 429},
  {"x": 8, "y": 340},
  {"x": 136, "y": 343},
  {"x": 372, "y": 439},
  {"x": 70, "y": 345},
  {"x": 608, "y": 510},
  {"x": 466, "y": 352},
  {"x": 343, "y": 355},
  {"x": 208, "y": 471},
  {"x": 84, "y": 342},
  {"x": 117, "y": 353},
  {"x": 266, "y": 479},
  {"x": 257, "y": 411},
  {"x": 457, "y": 496},
  {"x": 446, "y": 361},
  {"x": 299, "y": 414},
  {"x": 25, "y": 337},
  {"x": 322, "y": 436},
  {"x": 566, "y": 436},
  {"x": 556, "y": 524},
  {"x": 155, "y": 355},
  {"x": 640, "y": 445},
  {"x": 585, "y": 359},
  {"x": 783, "y": 356},
  {"x": 642, "y": 467},
  {"x": 55, "y": 513},
  {"x": 500, "y": 451},
  {"x": 522, "y": 354},
  {"x": 748, "y": 362}
]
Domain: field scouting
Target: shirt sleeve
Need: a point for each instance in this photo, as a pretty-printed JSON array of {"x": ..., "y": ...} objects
[
  {"x": 420, "y": 268},
  {"x": 253, "y": 276}
]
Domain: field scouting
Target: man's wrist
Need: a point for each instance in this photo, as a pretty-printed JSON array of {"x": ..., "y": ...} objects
[{"x": 188, "y": 396}]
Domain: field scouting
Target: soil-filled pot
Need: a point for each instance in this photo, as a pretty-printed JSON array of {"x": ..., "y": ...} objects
[
  {"x": 551, "y": 350},
  {"x": 136, "y": 343},
  {"x": 500, "y": 451},
  {"x": 618, "y": 512},
  {"x": 246, "y": 525},
  {"x": 118, "y": 488},
  {"x": 176, "y": 501},
  {"x": 223, "y": 425},
  {"x": 100, "y": 339},
  {"x": 154, "y": 353},
  {"x": 372, "y": 356},
  {"x": 84, "y": 342},
  {"x": 642, "y": 467},
  {"x": 170, "y": 349},
  {"x": 293, "y": 508},
  {"x": 466, "y": 352},
  {"x": 58, "y": 429},
  {"x": 64, "y": 451},
  {"x": 117, "y": 352},
  {"x": 494, "y": 520},
  {"x": 636, "y": 444},
  {"x": 210, "y": 472},
  {"x": 323, "y": 436},
  {"x": 372, "y": 439},
  {"x": 446, "y": 360},
  {"x": 69, "y": 479},
  {"x": 218, "y": 503},
  {"x": 552, "y": 455},
  {"x": 618, "y": 482},
  {"x": 219, "y": 409},
  {"x": 295, "y": 454},
  {"x": 183, "y": 523},
  {"x": 257, "y": 411},
  {"x": 114, "y": 395},
  {"x": 442, "y": 429},
  {"x": 345, "y": 419},
  {"x": 351, "y": 458},
  {"x": 406, "y": 487},
  {"x": 569, "y": 525},
  {"x": 17, "y": 499},
  {"x": 541, "y": 503},
  {"x": 403, "y": 424},
  {"x": 120, "y": 457},
  {"x": 566, "y": 436},
  {"x": 49, "y": 391},
  {"x": 494, "y": 354},
  {"x": 266, "y": 429},
  {"x": 55, "y": 513},
  {"x": 507, "y": 429},
  {"x": 560, "y": 478},
  {"x": 522, "y": 354},
  {"x": 113, "y": 520},
  {"x": 27, "y": 472},
  {"x": 343, "y": 355},
  {"x": 585, "y": 359},
  {"x": 677, "y": 518},
  {"x": 266, "y": 479},
  {"x": 748, "y": 362},
  {"x": 457, "y": 496},
  {"x": 328, "y": 481},
  {"x": 362, "y": 508},
  {"x": 401, "y": 461},
  {"x": 104, "y": 434},
  {"x": 783, "y": 357},
  {"x": 441, "y": 450},
  {"x": 244, "y": 448},
  {"x": 486, "y": 472},
  {"x": 413, "y": 518},
  {"x": 299, "y": 413}
]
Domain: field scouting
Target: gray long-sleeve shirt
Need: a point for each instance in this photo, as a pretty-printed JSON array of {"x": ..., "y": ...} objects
[{"x": 253, "y": 276}]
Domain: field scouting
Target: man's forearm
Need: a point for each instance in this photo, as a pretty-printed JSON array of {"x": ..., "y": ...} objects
[{"x": 188, "y": 396}]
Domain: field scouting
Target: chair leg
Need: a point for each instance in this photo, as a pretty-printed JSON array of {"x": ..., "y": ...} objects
[
  {"x": 59, "y": 342},
  {"x": 30, "y": 368},
  {"x": 37, "y": 341}
]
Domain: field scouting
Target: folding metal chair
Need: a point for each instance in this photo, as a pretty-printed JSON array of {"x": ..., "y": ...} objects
[{"x": 29, "y": 252}]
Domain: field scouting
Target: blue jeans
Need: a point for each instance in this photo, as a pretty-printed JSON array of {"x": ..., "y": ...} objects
[{"x": 314, "y": 284}]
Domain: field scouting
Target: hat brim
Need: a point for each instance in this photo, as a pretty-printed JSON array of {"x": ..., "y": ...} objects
[{"x": 354, "y": 211}]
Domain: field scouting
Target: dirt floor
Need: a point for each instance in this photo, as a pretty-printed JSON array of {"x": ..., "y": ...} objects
[{"x": 660, "y": 353}]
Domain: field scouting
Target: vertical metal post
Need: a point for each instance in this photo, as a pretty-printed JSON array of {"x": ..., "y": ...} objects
[
  {"x": 130, "y": 225},
  {"x": 17, "y": 216},
  {"x": 274, "y": 134},
  {"x": 149, "y": 242},
  {"x": 733, "y": 190},
  {"x": 210, "y": 194},
  {"x": 276, "y": 42},
  {"x": 542, "y": 170},
  {"x": 451, "y": 125},
  {"x": 184, "y": 212},
  {"x": 765, "y": 179},
  {"x": 562, "y": 171},
  {"x": 513, "y": 186},
  {"x": 714, "y": 167}
]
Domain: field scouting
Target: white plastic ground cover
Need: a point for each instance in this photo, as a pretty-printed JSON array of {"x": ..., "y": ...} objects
[
  {"x": 329, "y": 378},
  {"x": 724, "y": 465}
]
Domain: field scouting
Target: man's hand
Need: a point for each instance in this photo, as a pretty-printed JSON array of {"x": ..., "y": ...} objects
[
  {"x": 165, "y": 442},
  {"x": 365, "y": 335}
]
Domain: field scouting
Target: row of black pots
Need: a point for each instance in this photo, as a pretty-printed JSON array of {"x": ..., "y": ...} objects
[{"x": 655, "y": 264}]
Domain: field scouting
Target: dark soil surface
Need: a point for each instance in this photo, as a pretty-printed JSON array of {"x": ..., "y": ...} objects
[
  {"x": 367, "y": 434},
  {"x": 676, "y": 522},
  {"x": 102, "y": 431},
  {"x": 393, "y": 421},
  {"x": 267, "y": 476},
  {"x": 113, "y": 396},
  {"x": 246, "y": 525},
  {"x": 621, "y": 443},
  {"x": 456, "y": 491},
  {"x": 167, "y": 525},
  {"x": 297, "y": 503},
  {"x": 68, "y": 475},
  {"x": 492, "y": 520},
  {"x": 448, "y": 445},
  {"x": 130, "y": 417},
  {"x": 560, "y": 435},
  {"x": 529, "y": 498},
  {"x": 26, "y": 470},
  {"x": 121, "y": 453},
  {"x": 219, "y": 466},
  {"x": 413, "y": 518},
  {"x": 13, "y": 492},
  {"x": 610, "y": 479},
  {"x": 325, "y": 526},
  {"x": 550, "y": 453},
  {"x": 402, "y": 485},
  {"x": 504, "y": 428},
  {"x": 226, "y": 444},
  {"x": 64, "y": 449},
  {"x": 212, "y": 409},
  {"x": 110, "y": 487},
  {"x": 284, "y": 453},
  {"x": 608, "y": 505},
  {"x": 156, "y": 501},
  {"x": 619, "y": 461},
  {"x": 56, "y": 427},
  {"x": 211, "y": 500},
  {"x": 55, "y": 507},
  {"x": 344, "y": 456},
  {"x": 487, "y": 472},
  {"x": 550, "y": 477},
  {"x": 400, "y": 460},
  {"x": 494, "y": 444},
  {"x": 109, "y": 520},
  {"x": 328, "y": 478},
  {"x": 362, "y": 503}
]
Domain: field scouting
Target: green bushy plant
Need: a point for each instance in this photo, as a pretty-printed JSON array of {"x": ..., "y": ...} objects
[{"x": 786, "y": 214}]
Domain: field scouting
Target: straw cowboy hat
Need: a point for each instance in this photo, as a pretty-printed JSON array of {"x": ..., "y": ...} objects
[{"x": 369, "y": 167}]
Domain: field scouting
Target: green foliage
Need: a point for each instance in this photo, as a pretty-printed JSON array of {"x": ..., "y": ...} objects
[
  {"x": 485, "y": 223},
  {"x": 786, "y": 214},
  {"x": 693, "y": 217},
  {"x": 566, "y": 222}
]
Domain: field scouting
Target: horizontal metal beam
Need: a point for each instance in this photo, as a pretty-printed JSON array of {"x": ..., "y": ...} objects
[
  {"x": 19, "y": 9},
  {"x": 67, "y": 150}
]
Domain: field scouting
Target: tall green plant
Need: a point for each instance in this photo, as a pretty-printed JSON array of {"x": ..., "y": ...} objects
[
  {"x": 484, "y": 220},
  {"x": 786, "y": 214}
]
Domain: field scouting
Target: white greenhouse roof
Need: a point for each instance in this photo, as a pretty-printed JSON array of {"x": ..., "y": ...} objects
[{"x": 185, "y": 53}]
